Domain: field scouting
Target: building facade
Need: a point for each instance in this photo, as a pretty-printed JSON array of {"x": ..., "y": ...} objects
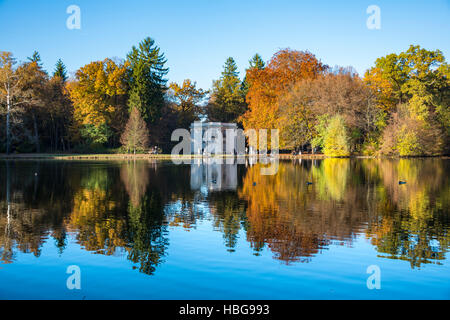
[{"x": 211, "y": 137}]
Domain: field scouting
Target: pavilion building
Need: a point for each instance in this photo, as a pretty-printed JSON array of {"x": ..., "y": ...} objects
[{"x": 203, "y": 133}]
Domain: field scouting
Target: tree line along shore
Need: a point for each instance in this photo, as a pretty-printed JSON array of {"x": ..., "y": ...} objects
[
  {"x": 169, "y": 157},
  {"x": 399, "y": 107}
]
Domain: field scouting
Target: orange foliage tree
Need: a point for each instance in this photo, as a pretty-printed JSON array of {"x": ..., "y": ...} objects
[{"x": 268, "y": 85}]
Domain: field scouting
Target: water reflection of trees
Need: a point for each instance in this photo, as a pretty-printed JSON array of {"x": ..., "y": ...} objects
[
  {"x": 108, "y": 208},
  {"x": 110, "y": 221},
  {"x": 229, "y": 216},
  {"x": 413, "y": 220},
  {"x": 296, "y": 220},
  {"x": 126, "y": 208},
  {"x": 24, "y": 223},
  {"x": 99, "y": 216}
]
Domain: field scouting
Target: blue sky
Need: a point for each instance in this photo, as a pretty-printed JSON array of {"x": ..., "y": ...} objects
[{"x": 198, "y": 35}]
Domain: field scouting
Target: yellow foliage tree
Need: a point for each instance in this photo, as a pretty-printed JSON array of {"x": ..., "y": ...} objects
[
  {"x": 186, "y": 97},
  {"x": 99, "y": 98},
  {"x": 381, "y": 88}
]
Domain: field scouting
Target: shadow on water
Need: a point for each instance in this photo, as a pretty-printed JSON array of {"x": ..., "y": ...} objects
[{"x": 128, "y": 208}]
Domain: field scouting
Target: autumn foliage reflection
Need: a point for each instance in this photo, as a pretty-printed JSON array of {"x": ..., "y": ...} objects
[
  {"x": 413, "y": 221},
  {"x": 109, "y": 223},
  {"x": 292, "y": 218},
  {"x": 128, "y": 208},
  {"x": 297, "y": 220}
]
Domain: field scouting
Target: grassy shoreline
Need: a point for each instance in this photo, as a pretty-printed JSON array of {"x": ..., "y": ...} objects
[{"x": 56, "y": 156}]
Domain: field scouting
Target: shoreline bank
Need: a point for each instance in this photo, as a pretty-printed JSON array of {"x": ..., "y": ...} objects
[
  {"x": 43, "y": 156},
  {"x": 53, "y": 156}
]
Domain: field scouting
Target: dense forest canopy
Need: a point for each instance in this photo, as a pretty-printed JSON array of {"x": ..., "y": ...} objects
[{"x": 399, "y": 107}]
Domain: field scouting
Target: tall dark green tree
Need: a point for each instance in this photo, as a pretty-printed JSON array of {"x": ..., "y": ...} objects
[
  {"x": 147, "y": 82},
  {"x": 60, "y": 70},
  {"x": 230, "y": 69},
  {"x": 36, "y": 57},
  {"x": 227, "y": 101},
  {"x": 257, "y": 62}
]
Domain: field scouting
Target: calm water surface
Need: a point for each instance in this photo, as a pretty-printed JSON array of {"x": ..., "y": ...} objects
[{"x": 155, "y": 230}]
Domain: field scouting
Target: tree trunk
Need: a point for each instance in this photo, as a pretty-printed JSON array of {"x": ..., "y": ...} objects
[
  {"x": 62, "y": 142},
  {"x": 36, "y": 133},
  {"x": 53, "y": 135}
]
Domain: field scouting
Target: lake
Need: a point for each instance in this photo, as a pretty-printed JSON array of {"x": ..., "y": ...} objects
[{"x": 155, "y": 230}]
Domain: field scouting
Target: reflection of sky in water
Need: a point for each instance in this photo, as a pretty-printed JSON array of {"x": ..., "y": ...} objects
[{"x": 198, "y": 267}]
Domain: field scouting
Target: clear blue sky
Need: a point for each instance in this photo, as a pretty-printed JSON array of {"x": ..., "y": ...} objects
[{"x": 198, "y": 35}]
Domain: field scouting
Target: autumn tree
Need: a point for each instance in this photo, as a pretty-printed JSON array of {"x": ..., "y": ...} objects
[
  {"x": 18, "y": 86},
  {"x": 59, "y": 111},
  {"x": 256, "y": 62},
  {"x": 8, "y": 90},
  {"x": 297, "y": 113},
  {"x": 227, "y": 102},
  {"x": 99, "y": 95},
  {"x": 400, "y": 107},
  {"x": 408, "y": 72},
  {"x": 382, "y": 88},
  {"x": 286, "y": 68},
  {"x": 418, "y": 80},
  {"x": 136, "y": 136},
  {"x": 28, "y": 103},
  {"x": 33, "y": 86},
  {"x": 332, "y": 136},
  {"x": 408, "y": 135},
  {"x": 36, "y": 104},
  {"x": 147, "y": 82},
  {"x": 335, "y": 139},
  {"x": 186, "y": 98}
]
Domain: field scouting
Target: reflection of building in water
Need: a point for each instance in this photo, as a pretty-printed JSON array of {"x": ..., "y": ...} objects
[{"x": 213, "y": 176}]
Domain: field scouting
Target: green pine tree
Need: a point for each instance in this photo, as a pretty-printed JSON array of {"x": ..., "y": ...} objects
[
  {"x": 36, "y": 57},
  {"x": 230, "y": 69},
  {"x": 60, "y": 70},
  {"x": 227, "y": 101},
  {"x": 257, "y": 62},
  {"x": 147, "y": 82}
]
